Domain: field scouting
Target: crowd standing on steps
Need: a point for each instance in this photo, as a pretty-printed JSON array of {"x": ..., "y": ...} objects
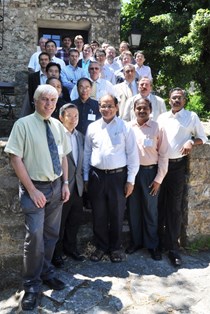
[{"x": 116, "y": 147}]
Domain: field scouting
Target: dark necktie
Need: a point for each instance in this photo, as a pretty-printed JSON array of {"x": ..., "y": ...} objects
[{"x": 53, "y": 149}]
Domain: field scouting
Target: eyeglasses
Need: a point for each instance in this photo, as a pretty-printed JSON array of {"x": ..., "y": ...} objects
[
  {"x": 128, "y": 71},
  {"x": 107, "y": 107},
  {"x": 94, "y": 69},
  {"x": 177, "y": 97}
]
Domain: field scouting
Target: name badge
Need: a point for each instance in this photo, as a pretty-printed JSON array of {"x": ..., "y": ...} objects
[
  {"x": 60, "y": 149},
  {"x": 148, "y": 142},
  {"x": 91, "y": 117}
]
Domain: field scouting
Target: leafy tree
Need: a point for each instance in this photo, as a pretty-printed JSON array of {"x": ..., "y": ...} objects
[{"x": 176, "y": 41}]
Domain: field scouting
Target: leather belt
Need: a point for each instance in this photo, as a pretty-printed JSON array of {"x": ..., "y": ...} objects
[
  {"x": 44, "y": 182},
  {"x": 110, "y": 171},
  {"x": 176, "y": 159},
  {"x": 148, "y": 167}
]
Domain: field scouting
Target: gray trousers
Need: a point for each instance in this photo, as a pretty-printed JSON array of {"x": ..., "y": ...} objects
[{"x": 42, "y": 231}]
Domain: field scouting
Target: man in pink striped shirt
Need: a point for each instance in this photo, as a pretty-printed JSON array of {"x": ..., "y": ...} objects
[{"x": 142, "y": 203}]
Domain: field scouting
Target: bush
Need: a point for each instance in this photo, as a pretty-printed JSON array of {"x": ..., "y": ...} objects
[{"x": 195, "y": 103}]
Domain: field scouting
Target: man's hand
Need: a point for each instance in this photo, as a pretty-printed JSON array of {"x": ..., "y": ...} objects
[
  {"x": 38, "y": 198},
  {"x": 65, "y": 193},
  {"x": 128, "y": 189},
  {"x": 186, "y": 148},
  {"x": 154, "y": 188}
]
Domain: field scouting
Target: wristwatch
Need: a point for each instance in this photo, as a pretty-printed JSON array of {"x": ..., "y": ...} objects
[
  {"x": 192, "y": 142},
  {"x": 66, "y": 182}
]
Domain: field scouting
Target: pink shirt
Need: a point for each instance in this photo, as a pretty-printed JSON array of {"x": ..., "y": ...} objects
[{"x": 152, "y": 146}]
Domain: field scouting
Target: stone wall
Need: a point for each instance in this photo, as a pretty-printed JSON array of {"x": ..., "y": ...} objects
[
  {"x": 22, "y": 19},
  {"x": 196, "y": 211}
]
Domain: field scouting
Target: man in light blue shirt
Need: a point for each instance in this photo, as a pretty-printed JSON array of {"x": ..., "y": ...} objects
[{"x": 71, "y": 73}]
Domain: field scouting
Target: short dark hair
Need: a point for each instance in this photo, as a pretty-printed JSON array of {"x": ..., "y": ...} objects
[
  {"x": 95, "y": 42},
  {"x": 53, "y": 78},
  {"x": 178, "y": 89},
  {"x": 66, "y": 106},
  {"x": 51, "y": 64},
  {"x": 84, "y": 79},
  {"x": 51, "y": 41},
  {"x": 66, "y": 36},
  {"x": 138, "y": 52},
  {"x": 112, "y": 96},
  {"x": 100, "y": 51},
  {"x": 44, "y": 54},
  {"x": 147, "y": 101},
  {"x": 74, "y": 50}
]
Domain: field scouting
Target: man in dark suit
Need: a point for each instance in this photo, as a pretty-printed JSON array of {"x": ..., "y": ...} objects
[
  {"x": 72, "y": 211},
  {"x": 38, "y": 78}
]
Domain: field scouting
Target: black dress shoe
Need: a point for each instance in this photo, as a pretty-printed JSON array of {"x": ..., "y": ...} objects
[
  {"x": 155, "y": 254},
  {"x": 131, "y": 249},
  {"x": 76, "y": 256},
  {"x": 28, "y": 301},
  {"x": 175, "y": 258},
  {"x": 57, "y": 261},
  {"x": 54, "y": 283}
]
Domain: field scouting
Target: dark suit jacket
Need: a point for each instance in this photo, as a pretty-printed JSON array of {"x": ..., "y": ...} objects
[
  {"x": 75, "y": 172},
  {"x": 33, "y": 82}
]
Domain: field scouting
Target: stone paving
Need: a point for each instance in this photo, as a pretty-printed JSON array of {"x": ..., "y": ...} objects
[{"x": 137, "y": 285}]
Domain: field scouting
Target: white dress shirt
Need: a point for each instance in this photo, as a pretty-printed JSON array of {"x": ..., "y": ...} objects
[
  {"x": 110, "y": 146},
  {"x": 180, "y": 127},
  {"x": 143, "y": 71},
  {"x": 34, "y": 61}
]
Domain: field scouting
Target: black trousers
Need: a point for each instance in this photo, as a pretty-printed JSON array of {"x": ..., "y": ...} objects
[
  {"x": 143, "y": 211},
  {"x": 70, "y": 222},
  {"x": 170, "y": 205},
  {"x": 106, "y": 193}
]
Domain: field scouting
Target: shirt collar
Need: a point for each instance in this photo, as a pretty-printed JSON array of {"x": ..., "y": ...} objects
[
  {"x": 180, "y": 113},
  {"x": 104, "y": 124},
  {"x": 135, "y": 123}
]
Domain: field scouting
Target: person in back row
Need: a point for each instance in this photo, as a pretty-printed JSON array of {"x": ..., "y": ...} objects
[
  {"x": 141, "y": 69},
  {"x": 51, "y": 49},
  {"x": 72, "y": 73},
  {"x": 34, "y": 65},
  {"x": 63, "y": 53}
]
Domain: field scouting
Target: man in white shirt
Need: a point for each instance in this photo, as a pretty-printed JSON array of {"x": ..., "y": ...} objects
[
  {"x": 110, "y": 56},
  {"x": 183, "y": 130},
  {"x": 110, "y": 167},
  {"x": 33, "y": 65},
  {"x": 145, "y": 89},
  {"x": 100, "y": 87},
  {"x": 51, "y": 49}
]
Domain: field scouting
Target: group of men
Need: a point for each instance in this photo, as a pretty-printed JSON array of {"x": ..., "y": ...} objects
[{"x": 116, "y": 142}]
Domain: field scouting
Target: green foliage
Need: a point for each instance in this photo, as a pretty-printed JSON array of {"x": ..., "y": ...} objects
[
  {"x": 196, "y": 103},
  {"x": 175, "y": 40},
  {"x": 199, "y": 244}
]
